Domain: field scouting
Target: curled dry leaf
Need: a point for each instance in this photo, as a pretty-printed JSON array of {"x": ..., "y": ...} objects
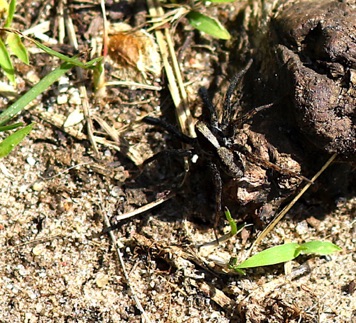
[{"x": 135, "y": 51}]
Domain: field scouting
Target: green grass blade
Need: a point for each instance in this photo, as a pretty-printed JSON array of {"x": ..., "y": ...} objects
[
  {"x": 272, "y": 256},
  {"x": 71, "y": 60},
  {"x": 234, "y": 229},
  {"x": 40, "y": 87},
  {"x": 9, "y": 143},
  {"x": 11, "y": 126},
  {"x": 231, "y": 221},
  {"x": 208, "y": 25},
  {"x": 10, "y": 13},
  {"x": 319, "y": 247},
  {"x": 17, "y": 47},
  {"x": 5, "y": 62},
  {"x": 232, "y": 265}
]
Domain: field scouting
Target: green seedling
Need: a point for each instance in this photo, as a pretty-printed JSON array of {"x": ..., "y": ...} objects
[
  {"x": 231, "y": 221},
  {"x": 12, "y": 41},
  {"x": 10, "y": 142},
  {"x": 200, "y": 21},
  {"x": 283, "y": 253},
  {"x": 208, "y": 25},
  {"x": 14, "y": 139},
  {"x": 234, "y": 228}
]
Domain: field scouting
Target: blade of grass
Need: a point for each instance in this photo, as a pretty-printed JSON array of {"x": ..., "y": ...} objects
[
  {"x": 208, "y": 25},
  {"x": 281, "y": 214},
  {"x": 5, "y": 62},
  {"x": 272, "y": 256},
  {"x": 231, "y": 221},
  {"x": 17, "y": 47},
  {"x": 10, "y": 142},
  {"x": 40, "y": 87},
  {"x": 10, "y": 13},
  {"x": 11, "y": 126},
  {"x": 284, "y": 253},
  {"x": 319, "y": 247},
  {"x": 72, "y": 60}
]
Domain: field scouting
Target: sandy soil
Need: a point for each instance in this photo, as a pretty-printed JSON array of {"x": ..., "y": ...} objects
[{"x": 58, "y": 262}]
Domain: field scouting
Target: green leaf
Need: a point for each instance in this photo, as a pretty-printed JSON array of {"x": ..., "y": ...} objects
[
  {"x": 10, "y": 13},
  {"x": 231, "y": 221},
  {"x": 5, "y": 62},
  {"x": 40, "y": 87},
  {"x": 272, "y": 256},
  {"x": 11, "y": 126},
  {"x": 232, "y": 265},
  {"x": 72, "y": 60},
  {"x": 17, "y": 47},
  {"x": 98, "y": 76},
  {"x": 9, "y": 143},
  {"x": 208, "y": 25},
  {"x": 75, "y": 61},
  {"x": 319, "y": 247},
  {"x": 285, "y": 252}
]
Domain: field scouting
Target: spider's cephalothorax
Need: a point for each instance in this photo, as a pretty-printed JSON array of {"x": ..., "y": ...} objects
[
  {"x": 217, "y": 138},
  {"x": 240, "y": 156}
]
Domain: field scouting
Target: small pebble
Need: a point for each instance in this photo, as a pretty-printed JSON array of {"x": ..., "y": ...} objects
[
  {"x": 115, "y": 192},
  {"x": 302, "y": 228},
  {"x": 62, "y": 98},
  {"x": 38, "y": 250},
  {"x": 101, "y": 280},
  {"x": 30, "y": 160},
  {"x": 75, "y": 97},
  {"x": 32, "y": 77},
  {"x": 38, "y": 186},
  {"x": 22, "y": 271},
  {"x": 74, "y": 118},
  {"x": 63, "y": 84},
  {"x": 23, "y": 188}
]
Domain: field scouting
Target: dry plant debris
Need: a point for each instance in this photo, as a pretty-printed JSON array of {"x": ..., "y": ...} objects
[{"x": 57, "y": 261}]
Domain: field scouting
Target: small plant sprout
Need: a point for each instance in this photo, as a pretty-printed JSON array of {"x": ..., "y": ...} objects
[
  {"x": 11, "y": 41},
  {"x": 198, "y": 20},
  {"x": 284, "y": 253},
  {"x": 208, "y": 25},
  {"x": 8, "y": 144},
  {"x": 234, "y": 228}
]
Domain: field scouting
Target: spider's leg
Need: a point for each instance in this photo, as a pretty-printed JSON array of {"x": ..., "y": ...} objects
[
  {"x": 209, "y": 112},
  {"x": 248, "y": 115},
  {"x": 218, "y": 195},
  {"x": 168, "y": 153},
  {"x": 266, "y": 164},
  {"x": 227, "y": 108},
  {"x": 170, "y": 129}
]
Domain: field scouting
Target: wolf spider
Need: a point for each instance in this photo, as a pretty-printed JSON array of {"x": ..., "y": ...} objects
[{"x": 216, "y": 144}]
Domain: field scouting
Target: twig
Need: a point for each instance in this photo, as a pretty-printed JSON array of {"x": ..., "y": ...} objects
[
  {"x": 291, "y": 204},
  {"x": 82, "y": 89},
  {"x": 121, "y": 261},
  {"x": 146, "y": 207},
  {"x": 176, "y": 86}
]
